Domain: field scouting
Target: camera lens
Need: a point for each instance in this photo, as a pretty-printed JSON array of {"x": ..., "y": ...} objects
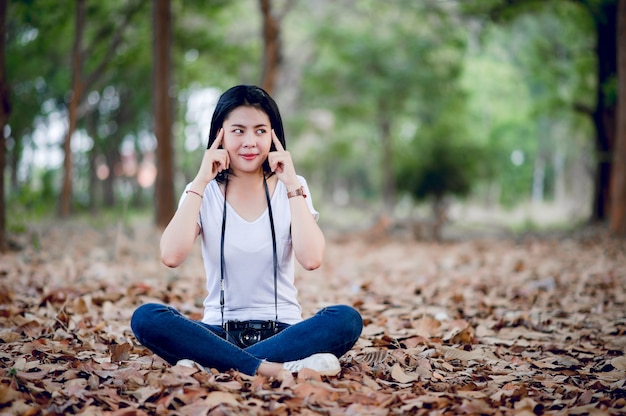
[{"x": 249, "y": 337}]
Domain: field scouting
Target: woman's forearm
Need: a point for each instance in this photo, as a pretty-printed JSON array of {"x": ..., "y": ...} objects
[
  {"x": 307, "y": 238},
  {"x": 181, "y": 232}
]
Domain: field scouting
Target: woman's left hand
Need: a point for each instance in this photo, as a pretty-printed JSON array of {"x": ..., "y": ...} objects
[
  {"x": 306, "y": 237},
  {"x": 280, "y": 163}
]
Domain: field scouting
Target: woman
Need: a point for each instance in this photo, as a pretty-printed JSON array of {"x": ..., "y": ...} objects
[{"x": 253, "y": 214}]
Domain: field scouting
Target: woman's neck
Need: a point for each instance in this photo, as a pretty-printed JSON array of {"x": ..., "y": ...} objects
[
  {"x": 246, "y": 179},
  {"x": 246, "y": 194}
]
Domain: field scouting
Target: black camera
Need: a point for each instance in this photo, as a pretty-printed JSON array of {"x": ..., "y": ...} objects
[{"x": 247, "y": 333}]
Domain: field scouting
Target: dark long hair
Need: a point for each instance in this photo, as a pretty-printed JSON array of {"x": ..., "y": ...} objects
[{"x": 252, "y": 96}]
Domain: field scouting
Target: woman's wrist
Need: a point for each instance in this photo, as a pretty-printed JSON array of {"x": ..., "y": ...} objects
[
  {"x": 191, "y": 191},
  {"x": 292, "y": 184},
  {"x": 296, "y": 192},
  {"x": 197, "y": 186}
]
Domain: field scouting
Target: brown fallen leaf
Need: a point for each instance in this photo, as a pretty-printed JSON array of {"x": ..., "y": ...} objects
[
  {"x": 216, "y": 398},
  {"x": 427, "y": 327},
  {"x": 402, "y": 376},
  {"x": 619, "y": 363},
  {"x": 126, "y": 412},
  {"x": 308, "y": 375},
  {"x": 459, "y": 332},
  {"x": 478, "y": 354},
  {"x": 314, "y": 392},
  {"x": 7, "y": 394},
  {"x": 120, "y": 352}
]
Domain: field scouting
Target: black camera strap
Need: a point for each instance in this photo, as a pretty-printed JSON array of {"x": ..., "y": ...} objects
[{"x": 223, "y": 262}]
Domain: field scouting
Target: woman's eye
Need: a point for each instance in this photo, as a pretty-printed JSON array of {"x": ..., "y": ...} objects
[
  {"x": 261, "y": 131},
  {"x": 238, "y": 131}
]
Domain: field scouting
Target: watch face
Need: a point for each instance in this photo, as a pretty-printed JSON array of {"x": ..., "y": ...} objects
[{"x": 297, "y": 192}]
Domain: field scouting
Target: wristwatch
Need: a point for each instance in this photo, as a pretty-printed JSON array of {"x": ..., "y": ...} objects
[{"x": 296, "y": 192}]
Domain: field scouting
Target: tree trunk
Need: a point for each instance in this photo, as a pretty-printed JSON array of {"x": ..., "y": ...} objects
[
  {"x": 82, "y": 82},
  {"x": 388, "y": 180},
  {"x": 15, "y": 155},
  {"x": 605, "y": 110},
  {"x": 65, "y": 200},
  {"x": 5, "y": 110},
  {"x": 92, "y": 127},
  {"x": 618, "y": 174},
  {"x": 164, "y": 191},
  {"x": 271, "y": 47},
  {"x": 440, "y": 217},
  {"x": 112, "y": 158}
]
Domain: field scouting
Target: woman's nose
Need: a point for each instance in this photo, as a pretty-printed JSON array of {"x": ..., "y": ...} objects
[{"x": 249, "y": 140}]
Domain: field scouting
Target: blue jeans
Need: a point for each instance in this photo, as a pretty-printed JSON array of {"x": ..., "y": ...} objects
[{"x": 169, "y": 334}]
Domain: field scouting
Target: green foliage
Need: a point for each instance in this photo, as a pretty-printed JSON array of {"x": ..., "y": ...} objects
[
  {"x": 207, "y": 50},
  {"x": 499, "y": 116},
  {"x": 212, "y": 48},
  {"x": 37, "y": 41},
  {"x": 402, "y": 74},
  {"x": 438, "y": 167},
  {"x": 524, "y": 80},
  {"x": 32, "y": 203},
  {"x": 460, "y": 98}
]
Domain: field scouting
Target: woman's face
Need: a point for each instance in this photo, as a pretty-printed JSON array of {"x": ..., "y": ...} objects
[{"x": 247, "y": 138}]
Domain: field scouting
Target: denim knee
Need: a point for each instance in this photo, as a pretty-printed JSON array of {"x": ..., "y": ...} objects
[
  {"x": 348, "y": 320},
  {"x": 143, "y": 318},
  {"x": 353, "y": 320}
]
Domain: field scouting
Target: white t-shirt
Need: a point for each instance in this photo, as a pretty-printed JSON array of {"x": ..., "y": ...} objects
[{"x": 248, "y": 254}]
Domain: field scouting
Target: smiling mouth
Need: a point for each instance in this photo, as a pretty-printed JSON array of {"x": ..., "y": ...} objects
[{"x": 249, "y": 156}]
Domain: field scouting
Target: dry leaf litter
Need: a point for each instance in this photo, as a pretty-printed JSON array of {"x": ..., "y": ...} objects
[{"x": 491, "y": 326}]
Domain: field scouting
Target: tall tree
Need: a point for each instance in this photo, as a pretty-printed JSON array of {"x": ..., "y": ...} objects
[
  {"x": 604, "y": 14},
  {"x": 78, "y": 87},
  {"x": 618, "y": 179},
  {"x": 163, "y": 112},
  {"x": 271, "y": 44},
  {"x": 37, "y": 46},
  {"x": 603, "y": 112},
  {"x": 5, "y": 110},
  {"x": 82, "y": 82}
]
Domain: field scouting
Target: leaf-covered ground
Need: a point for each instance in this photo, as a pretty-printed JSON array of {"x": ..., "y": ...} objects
[{"x": 484, "y": 326}]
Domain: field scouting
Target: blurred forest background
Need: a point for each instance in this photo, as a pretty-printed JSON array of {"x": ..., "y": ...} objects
[{"x": 501, "y": 112}]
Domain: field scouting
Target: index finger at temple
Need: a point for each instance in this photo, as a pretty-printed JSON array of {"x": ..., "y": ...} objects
[
  {"x": 277, "y": 143},
  {"x": 218, "y": 139}
]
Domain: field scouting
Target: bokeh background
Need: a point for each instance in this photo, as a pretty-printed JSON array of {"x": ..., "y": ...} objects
[{"x": 470, "y": 115}]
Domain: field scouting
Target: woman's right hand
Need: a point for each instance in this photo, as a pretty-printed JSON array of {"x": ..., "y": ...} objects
[
  {"x": 179, "y": 235},
  {"x": 214, "y": 161}
]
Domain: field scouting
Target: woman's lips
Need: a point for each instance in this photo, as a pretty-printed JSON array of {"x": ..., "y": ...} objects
[{"x": 249, "y": 156}]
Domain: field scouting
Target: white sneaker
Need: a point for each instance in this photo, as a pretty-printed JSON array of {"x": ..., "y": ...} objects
[
  {"x": 324, "y": 363},
  {"x": 191, "y": 364},
  {"x": 186, "y": 363}
]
